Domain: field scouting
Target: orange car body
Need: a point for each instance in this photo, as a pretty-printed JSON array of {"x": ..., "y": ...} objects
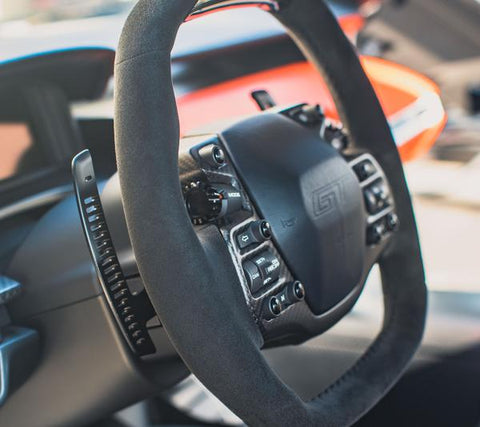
[{"x": 410, "y": 100}]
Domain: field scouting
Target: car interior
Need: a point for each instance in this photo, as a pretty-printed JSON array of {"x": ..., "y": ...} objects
[{"x": 205, "y": 220}]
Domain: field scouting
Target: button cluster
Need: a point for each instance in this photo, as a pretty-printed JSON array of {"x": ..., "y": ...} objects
[
  {"x": 262, "y": 270},
  {"x": 379, "y": 203},
  {"x": 292, "y": 293},
  {"x": 313, "y": 116}
]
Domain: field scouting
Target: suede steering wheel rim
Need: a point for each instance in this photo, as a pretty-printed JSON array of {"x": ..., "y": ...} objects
[{"x": 220, "y": 342}]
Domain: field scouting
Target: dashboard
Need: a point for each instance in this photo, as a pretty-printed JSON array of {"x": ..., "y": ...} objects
[{"x": 41, "y": 228}]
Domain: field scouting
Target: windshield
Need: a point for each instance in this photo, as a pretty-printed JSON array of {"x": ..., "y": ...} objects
[{"x": 44, "y": 11}]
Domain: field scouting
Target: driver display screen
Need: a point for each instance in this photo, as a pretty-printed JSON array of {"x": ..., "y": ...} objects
[{"x": 18, "y": 154}]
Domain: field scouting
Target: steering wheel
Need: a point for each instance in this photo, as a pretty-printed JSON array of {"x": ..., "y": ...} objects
[{"x": 316, "y": 199}]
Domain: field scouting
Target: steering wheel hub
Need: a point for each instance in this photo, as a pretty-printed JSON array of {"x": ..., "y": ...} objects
[{"x": 311, "y": 197}]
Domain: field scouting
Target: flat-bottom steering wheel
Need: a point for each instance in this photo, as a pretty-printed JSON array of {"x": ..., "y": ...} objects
[{"x": 286, "y": 225}]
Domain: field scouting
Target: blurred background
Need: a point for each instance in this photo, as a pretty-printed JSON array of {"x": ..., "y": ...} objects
[
  {"x": 441, "y": 39},
  {"x": 438, "y": 38}
]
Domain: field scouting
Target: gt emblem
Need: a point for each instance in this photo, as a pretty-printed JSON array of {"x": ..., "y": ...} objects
[{"x": 327, "y": 198}]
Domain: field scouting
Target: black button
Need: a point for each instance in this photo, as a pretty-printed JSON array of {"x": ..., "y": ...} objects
[
  {"x": 380, "y": 190},
  {"x": 261, "y": 262},
  {"x": 213, "y": 155},
  {"x": 392, "y": 221},
  {"x": 291, "y": 294},
  {"x": 262, "y": 259},
  {"x": 364, "y": 170},
  {"x": 375, "y": 233},
  {"x": 273, "y": 268},
  {"x": 275, "y": 306},
  {"x": 260, "y": 230},
  {"x": 218, "y": 155},
  {"x": 265, "y": 230},
  {"x": 335, "y": 136},
  {"x": 254, "y": 278},
  {"x": 297, "y": 291},
  {"x": 376, "y": 197},
  {"x": 269, "y": 266},
  {"x": 370, "y": 201},
  {"x": 256, "y": 232}
]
